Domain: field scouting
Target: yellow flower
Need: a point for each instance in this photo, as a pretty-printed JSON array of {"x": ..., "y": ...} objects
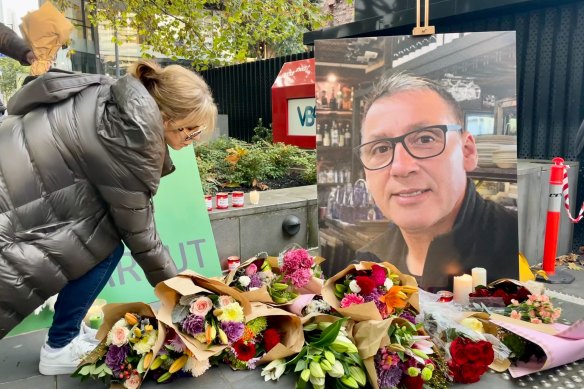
[
  {"x": 473, "y": 324},
  {"x": 231, "y": 312}
]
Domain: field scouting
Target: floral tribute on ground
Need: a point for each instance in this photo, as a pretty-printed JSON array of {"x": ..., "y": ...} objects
[
  {"x": 371, "y": 291},
  {"x": 128, "y": 336},
  {"x": 329, "y": 358},
  {"x": 269, "y": 333}
]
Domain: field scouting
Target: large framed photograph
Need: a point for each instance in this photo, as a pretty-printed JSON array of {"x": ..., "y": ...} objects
[{"x": 417, "y": 154}]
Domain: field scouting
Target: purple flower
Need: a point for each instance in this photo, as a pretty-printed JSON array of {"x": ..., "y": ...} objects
[
  {"x": 408, "y": 316},
  {"x": 116, "y": 355},
  {"x": 255, "y": 280},
  {"x": 176, "y": 343},
  {"x": 374, "y": 296},
  {"x": 233, "y": 330},
  {"x": 389, "y": 378},
  {"x": 193, "y": 324}
]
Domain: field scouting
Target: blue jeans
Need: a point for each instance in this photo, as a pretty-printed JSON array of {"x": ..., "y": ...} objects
[{"x": 76, "y": 297}]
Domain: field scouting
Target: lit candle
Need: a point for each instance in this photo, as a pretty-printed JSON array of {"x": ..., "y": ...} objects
[
  {"x": 254, "y": 197},
  {"x": 479, "y": 277},
  {"x": 462, "y": 287}
]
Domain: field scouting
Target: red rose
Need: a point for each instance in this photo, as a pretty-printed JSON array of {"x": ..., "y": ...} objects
[
  {"x": 457, "y": 350},
  {"x": 505, "y": 296},
  {"x": 483, "y": 292},
  {"x": 271, "y": 338},
  {"x": 244, "y": 351},
  {"x": 473, "y": 352},
  {"x": 487, "y": 353},
  {"x": 464, "y": 374},
  {"x": 366, "y": 284}
]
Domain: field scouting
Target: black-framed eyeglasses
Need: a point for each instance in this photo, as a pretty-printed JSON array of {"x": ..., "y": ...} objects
[
  {"x": 423, "y": 143},
  {"x": 193, "y": 134}
]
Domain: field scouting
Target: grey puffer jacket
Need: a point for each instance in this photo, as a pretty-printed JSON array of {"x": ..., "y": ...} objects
[{"x": 80, "y": 159}]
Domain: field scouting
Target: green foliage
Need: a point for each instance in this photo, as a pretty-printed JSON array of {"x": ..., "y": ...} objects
[
  {"x": 210, "y": 32},
  {"x": 262, "y": 133},
  {"x": 12, "y": 73},
  {"x": 229, "y": 162}
]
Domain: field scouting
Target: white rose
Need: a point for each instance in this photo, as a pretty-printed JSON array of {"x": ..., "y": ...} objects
[
  {"x": 354, "y": 287},
  {"x": 388, "y": 284},
  {"x": 244, "y": 281}
]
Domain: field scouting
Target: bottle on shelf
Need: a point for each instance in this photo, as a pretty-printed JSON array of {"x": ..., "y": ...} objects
[
  {"x": 333, "y": 100},
  {"x": 347, "y": 135},
  {"x": 341, "y": 136},
  {"x": 326, "y": 136},
  {"x": 323, "y": 99},
  {"x": 334, "y": 135}
]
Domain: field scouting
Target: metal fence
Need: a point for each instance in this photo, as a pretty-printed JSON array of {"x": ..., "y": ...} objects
[{"x": 244, "y": 92}]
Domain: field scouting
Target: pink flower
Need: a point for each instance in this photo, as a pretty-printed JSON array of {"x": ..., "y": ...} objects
[
  {"x": 133, "y": 382},
  {"x": 119, "y": 336},
  {"x": 557, "y": 313},
  {"x": 201, "y": 306},
  {"x": 515, "y": 302},
  {"x": 378, "y": 275},
  {"x": 351, "y": 299},
  {"x": 299, "y": 278},
  {"x": 225, "y": 300},
  {"x": 296, "y": 259},
  {"x": 251, "y": 269},
  {"x": 535, "y": 320},
  {"x": 515, "y": 315},
  {"x": 532, "y": 297}
]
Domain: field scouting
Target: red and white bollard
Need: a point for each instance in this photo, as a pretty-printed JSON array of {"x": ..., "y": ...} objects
[{"x": 552, "y": 225}]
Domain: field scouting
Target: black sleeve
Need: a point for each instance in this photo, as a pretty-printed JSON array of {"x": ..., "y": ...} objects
[{"x": 12, "y": 45}]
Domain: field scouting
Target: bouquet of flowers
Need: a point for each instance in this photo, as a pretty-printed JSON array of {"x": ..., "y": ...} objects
[
  {"x": 128, "y": 336},
  {"x": 278, "y": 280},
  {"x": 537, "y": 309},
  {"x": 174, "y": 359},
  {"x": 269, "y": 334},
  {"x": 399, "y": 354},
  {"x": 206, "y": 314},
  {"x": 371, "y": 291},
  {"x": 499, "y": 293},
  {"x": 329, "y": 359},
  {"x": 253, "y": 278}
]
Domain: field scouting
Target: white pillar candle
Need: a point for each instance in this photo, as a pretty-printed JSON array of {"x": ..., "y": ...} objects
[
  {"x": 462, "y": 287},
  {"x": 479, "y": 277},
  {"x": 254, "y": 197}
]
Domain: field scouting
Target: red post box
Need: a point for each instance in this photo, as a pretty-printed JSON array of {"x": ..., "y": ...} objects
[{"x": 294, "y": 104}]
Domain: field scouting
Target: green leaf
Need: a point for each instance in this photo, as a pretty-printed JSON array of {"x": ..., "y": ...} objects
[
  {"x": 330, "y": 333},
  {"x": 179, "y": 313},
  {"x": 301, "y": 365}
]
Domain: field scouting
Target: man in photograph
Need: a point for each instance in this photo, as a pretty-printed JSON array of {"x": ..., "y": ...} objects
[{"x": 416, "y": 154}]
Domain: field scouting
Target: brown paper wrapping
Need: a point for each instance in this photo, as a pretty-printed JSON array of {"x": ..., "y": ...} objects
[
  {"x": 288, "y": 325},
  {"x": 369, "y": 337},
  {"x": 45, "y": 30},
  {"x": 367, "y": 311},
  {"x": 116, "y": 311},
  {"x": 262, "y": 295},
  {"x": 170, "y": 291}
]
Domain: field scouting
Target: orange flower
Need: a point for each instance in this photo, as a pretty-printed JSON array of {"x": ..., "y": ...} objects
[{"x": 394, "y": 298}]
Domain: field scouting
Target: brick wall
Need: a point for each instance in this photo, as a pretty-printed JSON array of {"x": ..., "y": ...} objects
[{"x": 342, "y": 11}]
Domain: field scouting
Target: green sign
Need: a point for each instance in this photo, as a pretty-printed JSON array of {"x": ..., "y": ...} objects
[{"x": 184, "y": 227}]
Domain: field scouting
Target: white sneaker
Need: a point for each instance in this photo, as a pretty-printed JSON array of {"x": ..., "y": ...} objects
[
  {"x": 88, "y": 334},
  {"x": 64, "y": 360}
]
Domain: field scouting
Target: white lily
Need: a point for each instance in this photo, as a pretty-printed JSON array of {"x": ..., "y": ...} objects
[{"x": 274, "y": 370}]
